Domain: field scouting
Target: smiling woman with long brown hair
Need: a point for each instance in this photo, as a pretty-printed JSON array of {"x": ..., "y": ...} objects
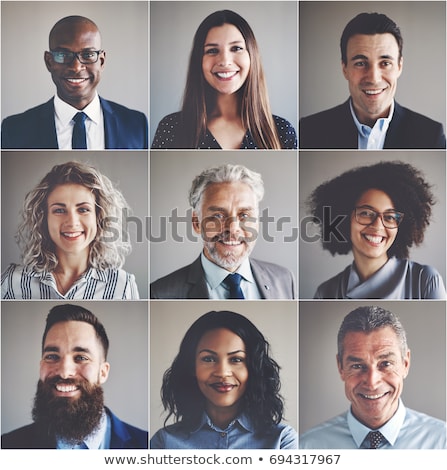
[{"x": 225, "y": 102}]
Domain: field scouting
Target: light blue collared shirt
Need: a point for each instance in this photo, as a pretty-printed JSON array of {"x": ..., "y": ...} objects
[
  {"x": 239, "y": 434},
  {"x": 372, "y": 138},
  {"x": 215, "y": 275},
  {"x": 407, "y": 429},
  {"x": 100, "y": 439}
]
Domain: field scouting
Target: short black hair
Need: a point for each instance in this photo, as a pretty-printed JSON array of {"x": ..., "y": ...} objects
[
  {"x": 370, "y": 23},
  {"x": 404, "y": 185},
  {"x": 70, "y": 312}
]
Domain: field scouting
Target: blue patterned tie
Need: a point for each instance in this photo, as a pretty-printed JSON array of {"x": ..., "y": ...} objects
[
  {"x": 233, "y": 282},
  {"x": 79, "y": 138}
]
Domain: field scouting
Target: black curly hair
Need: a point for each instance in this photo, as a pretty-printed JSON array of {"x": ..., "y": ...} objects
[
  {"x": 262, "y": 402},
  {"x": 405, "y": 186}
]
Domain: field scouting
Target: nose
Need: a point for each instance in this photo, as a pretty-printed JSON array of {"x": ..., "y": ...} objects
[
  {"x": 374, "y": 74},
  {"x": 233, "y": 225},
  {"x": 72, "y": 219},
  {"x": 224, "y": 58},
  {"x": 222, "y": 369},
  {"x": 76, "y": 64},
  {"x": 378, "y": 222},
  {"x": 66, "y": 368},
  {"x": 372, "y": 378}
]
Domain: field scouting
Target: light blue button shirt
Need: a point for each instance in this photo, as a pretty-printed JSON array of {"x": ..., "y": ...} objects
[
  {"x": 100, "y": 439},
  {"x": 239, "y": 434},
  {"x": 215, "y": 275},
  {"x": 407, "y": 429},
  {"x": 372, "y": 138}
]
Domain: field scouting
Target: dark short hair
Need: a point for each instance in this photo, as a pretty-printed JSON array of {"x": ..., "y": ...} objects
[
  {"x": 262, "y": 402},
  {"x": 404, "y": 185},
  {"x": 70, "y": 312},
  {"x": 368, "y": 319},
  {"x": 370, "y": 23},
  {"x": 69, "y": 21}
]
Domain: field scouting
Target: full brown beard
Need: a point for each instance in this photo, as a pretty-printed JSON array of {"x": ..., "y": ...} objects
[{"x": 70, "y": 419}]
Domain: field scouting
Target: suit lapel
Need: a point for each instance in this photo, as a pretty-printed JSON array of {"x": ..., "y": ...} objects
[
  {"x": 196, "y": 279},
  {"x": 46, "y": 127},
  {"x": 262, "y": 280},
  {"x": 110, "y": 125}
]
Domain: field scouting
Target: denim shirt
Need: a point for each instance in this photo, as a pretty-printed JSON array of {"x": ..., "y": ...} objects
[{"x": 239, "y": 434}]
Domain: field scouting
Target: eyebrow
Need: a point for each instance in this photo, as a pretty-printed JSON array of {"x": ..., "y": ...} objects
[
  {"x": 364, "y": 57},
  {"x": 215, "y": 353},
  {"x": 367, "y": 206},
  {"x": 57, "y": 349},
  {"x": 216, "y": 44},
  {"x": 358, "y": 359},
  {"x": 65, "y": 205},
  {"x": 223, "y": 209}
]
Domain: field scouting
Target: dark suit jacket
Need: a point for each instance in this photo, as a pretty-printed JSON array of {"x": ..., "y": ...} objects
[
  {"x": 335, "y": 129},
  {"x": 35, "y": 129},
  {"x": 273, "y": 281},
  {"x": 124, "y": 436}
]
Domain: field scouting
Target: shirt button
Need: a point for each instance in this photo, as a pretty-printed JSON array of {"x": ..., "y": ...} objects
[{"x": 223, "y": 434}]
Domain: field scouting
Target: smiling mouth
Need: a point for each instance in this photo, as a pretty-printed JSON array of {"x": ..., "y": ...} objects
[
  {"x": 72, "y": 235},
  {"x": 374, "y": 239},
  {"x": 226, "y": 75},
  {"x": 66, "y": 388},
  {"x": 374, "y": 92},
  {"x": 76, "y": 81},
  {"x": 373, "y": 397},
  {"x": 222, "y": 387}
]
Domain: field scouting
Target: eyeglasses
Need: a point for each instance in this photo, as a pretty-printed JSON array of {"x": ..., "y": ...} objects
[
  {"x": 67, "y": 57},
  {"x": 366, "y": 216}
]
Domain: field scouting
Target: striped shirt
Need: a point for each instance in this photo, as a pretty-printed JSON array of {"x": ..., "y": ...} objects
[{"x": 19, "y": 282}]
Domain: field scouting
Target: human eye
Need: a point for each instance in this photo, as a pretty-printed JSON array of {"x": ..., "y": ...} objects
[
  {"x": 365, "y": 212},
  {"x": 360, "y": 63},
  {"x": 237, "y": 48},
  {"x": 58, "y": 210},
  {"x": 211, "y": 51},
  {"x": 208, "y": 358},
  {"x": 84, "y": 209},
  {"x": 60, "y": 56},
  {"x": 50, "y": 357},
  {"x": 81, "y": 358},
  {"x": 88, "y": 55},
  {"x": 237, "y": 360},
  {"x": 391, "y": 217}
]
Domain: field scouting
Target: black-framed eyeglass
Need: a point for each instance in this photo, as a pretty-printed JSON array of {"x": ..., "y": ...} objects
[
  {"x": 367, "y": 216},
  {"x": 67, "y": 57}
]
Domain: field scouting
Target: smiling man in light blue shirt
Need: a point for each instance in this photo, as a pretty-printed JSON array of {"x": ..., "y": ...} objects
[{"x": 373, "y": 361}]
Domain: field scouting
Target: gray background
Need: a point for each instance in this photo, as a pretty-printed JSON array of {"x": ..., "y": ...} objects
[
  {"x": 421, "y": 87},
  {"x": 25, "y": 27},
  {"x": 318, "y": 265},
  {"x": 277, "y": 322},
  {"x": 171, "y": 175},
  {"x": 128, "y": 171},
  {"x": 126, "y": 389},
  {"x": 321, "y": 391},
  {"x": 172, "y": 28}
]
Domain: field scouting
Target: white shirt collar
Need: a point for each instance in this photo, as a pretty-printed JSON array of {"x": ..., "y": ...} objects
[{"x": 65, "y": 112}]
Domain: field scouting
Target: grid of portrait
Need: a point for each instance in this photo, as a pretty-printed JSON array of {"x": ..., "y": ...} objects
[{"x": 225, "y": 228}]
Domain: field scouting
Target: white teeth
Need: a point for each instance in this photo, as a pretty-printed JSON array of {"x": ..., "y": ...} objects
[
  {"x": 374, "y": 397},
  {"x": 66, "y": 388},
  {"x": 226, "y": 74},
  {"x": 231, "y": 243},
  {"x": 374, "y": 238},
  {"x": 373, "y": 92},
  {"x": 76, "y": 80},
  {"x": 71, "y": 234}
]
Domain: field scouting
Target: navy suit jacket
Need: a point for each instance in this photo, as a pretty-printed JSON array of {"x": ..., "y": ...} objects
[
  {"x": 335, "y": 129},
  {"x": 36, "y": 129},
  {"x": 124, "y": 436},
  {"x": 273, "y": 281}
]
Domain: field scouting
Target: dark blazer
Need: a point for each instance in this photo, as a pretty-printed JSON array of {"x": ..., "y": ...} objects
[
  {"x": 35, "y": 129},
  {"x": 273, "y": 281},
  {"x": 124, "y": 436},
  {"x": 335, "y": 129}
]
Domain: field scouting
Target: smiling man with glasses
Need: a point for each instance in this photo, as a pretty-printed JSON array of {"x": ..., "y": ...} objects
[{"x": 76, "y": 118}]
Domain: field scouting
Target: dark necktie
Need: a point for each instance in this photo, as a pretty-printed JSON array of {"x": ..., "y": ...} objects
[
  {"x": 233, "y": 282},
  {"x": 375, "y": 438},
  {"x": 79, "y": 138}
]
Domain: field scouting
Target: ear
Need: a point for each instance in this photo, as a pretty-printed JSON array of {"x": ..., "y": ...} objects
[
  {"x": 400, "y": 65},
  {"x": 196, "y": 223},
  {"x": 48, "y": 58},
  {"x": 406, "y": 363},
  {"x": 104, "y": 372},
  {"x": 102, "y": 59}
]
